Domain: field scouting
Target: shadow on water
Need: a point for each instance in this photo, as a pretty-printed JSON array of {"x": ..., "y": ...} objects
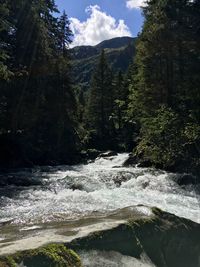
[{"x": 12, "y": 183}]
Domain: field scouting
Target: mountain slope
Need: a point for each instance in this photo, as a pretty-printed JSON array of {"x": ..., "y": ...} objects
[{"x": 119, "y": 52}]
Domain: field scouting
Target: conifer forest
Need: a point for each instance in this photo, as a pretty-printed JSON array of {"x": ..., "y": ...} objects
[{"x": 99, "y": 134}]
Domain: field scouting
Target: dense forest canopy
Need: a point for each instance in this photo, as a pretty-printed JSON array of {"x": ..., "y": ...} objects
[
  {"x": 165, "y": 93},
  {"x": 37, "y": 107},
  {"x": 152, "y": 109}
]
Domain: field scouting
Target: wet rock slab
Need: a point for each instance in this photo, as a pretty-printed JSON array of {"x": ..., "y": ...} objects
[{"x": 166, "y": 240}]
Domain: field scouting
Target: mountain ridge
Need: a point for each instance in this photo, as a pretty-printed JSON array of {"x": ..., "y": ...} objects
[
  {"x": 106, "y": 43},
  {"x": 119, "y": 52}
]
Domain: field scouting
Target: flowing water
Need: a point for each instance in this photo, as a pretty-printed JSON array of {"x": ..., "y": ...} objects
[
  {"x": 101, "y": 186},
  {"x": 112, "y": 259},
  {"x": 71, "y": 193}
]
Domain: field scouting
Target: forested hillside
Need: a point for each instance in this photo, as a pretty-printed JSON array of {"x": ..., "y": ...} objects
[
  {"x": 155, "y": 108},
  {"x": 120, "y": 53},
  {"x": 105, "y": 112},
  {"x": 142, "y": 95}
]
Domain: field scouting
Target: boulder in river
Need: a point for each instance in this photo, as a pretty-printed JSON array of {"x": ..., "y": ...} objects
[
  {"x": 93, "y": 153},
  {"x": 132, "y": 160},
  {"x": 167, "y": 240},
  {"x": 108, "y": 154}
]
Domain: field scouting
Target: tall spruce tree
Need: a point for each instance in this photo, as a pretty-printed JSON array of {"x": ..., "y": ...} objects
[
  {"x": 64, "y": 33},
  {"x": 100, "y": 104}
]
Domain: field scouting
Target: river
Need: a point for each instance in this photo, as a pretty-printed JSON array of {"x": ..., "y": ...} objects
[{"x": 72, "y": 193}]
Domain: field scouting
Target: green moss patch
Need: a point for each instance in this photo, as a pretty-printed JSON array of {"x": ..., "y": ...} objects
[{"x": 55, "y": 255}]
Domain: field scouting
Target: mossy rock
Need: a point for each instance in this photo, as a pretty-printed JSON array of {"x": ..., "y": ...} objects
[
  {"x": 55, "y": 255},
  {"x": 169, "y": 241},
  {"x": 3, "y": 264}
]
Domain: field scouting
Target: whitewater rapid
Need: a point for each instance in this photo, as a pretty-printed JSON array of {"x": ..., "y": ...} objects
[{"x": 99, "y": 187}]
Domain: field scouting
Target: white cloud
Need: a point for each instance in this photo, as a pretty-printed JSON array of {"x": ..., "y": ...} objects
[
  {"x": 131, "y": 4},
  {"x": 98, "y": 27}
]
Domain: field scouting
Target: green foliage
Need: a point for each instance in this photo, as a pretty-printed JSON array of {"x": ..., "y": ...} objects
[
  {"x": 160, "y": 138},
  {"x": 37, "y": 103},
  {"x": 155, "y": 106},
  {"x": 107, "y": 125},
  {"x": 51, "y": 255},
  {"x": 84, "y": 59},
  {"x": 4, "y": 26},
  {"x": 100, "y": 105},
  {"x": 164, "y": 90}
]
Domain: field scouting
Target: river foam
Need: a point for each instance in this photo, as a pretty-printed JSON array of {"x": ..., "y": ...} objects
[
  {"x": 96, "y": 258},
  {"x": 102, "y": 186}
]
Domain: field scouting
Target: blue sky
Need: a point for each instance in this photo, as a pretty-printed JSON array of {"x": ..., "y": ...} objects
[{"x": 93, "y": 21}]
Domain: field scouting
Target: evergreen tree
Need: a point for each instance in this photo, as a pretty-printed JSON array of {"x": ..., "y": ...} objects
[
  {"x": 38, "y": 103},
  {"x": 165, "y": 83},
  {"x": 100, "y": 104},
  {"x": 119, "y": 100},
  {"x": 124, "y": 127},
  {"x": 64, "y": 33}
]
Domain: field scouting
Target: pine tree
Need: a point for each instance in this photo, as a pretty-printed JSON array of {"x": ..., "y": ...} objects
[
  {"x": 64, "y": 33},
  {"x": 101, "y": 103}
]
